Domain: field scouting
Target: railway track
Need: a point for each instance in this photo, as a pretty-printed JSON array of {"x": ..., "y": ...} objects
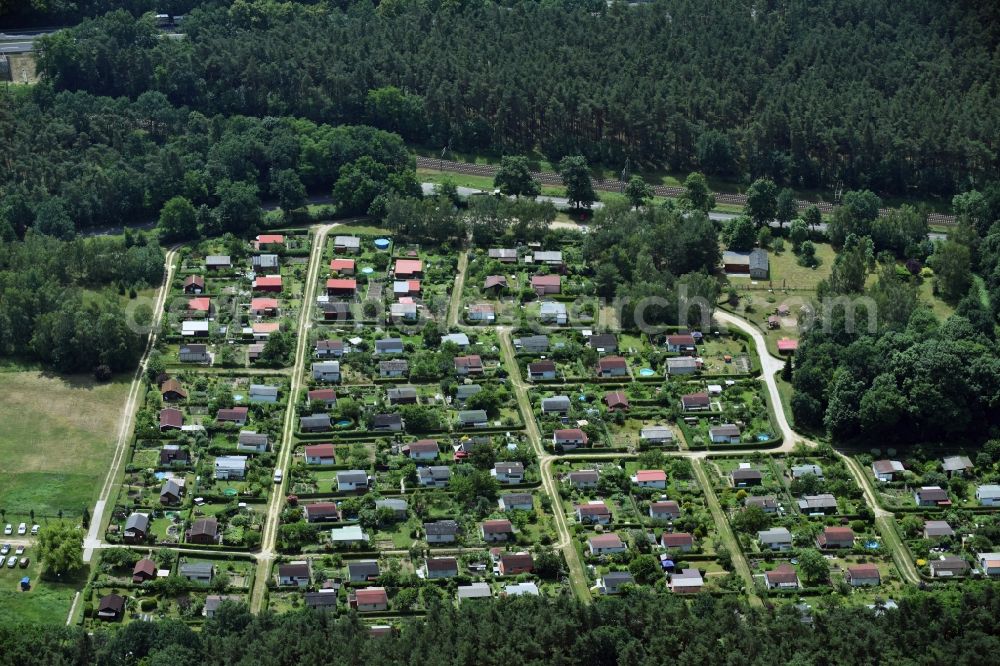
[{"x": 605, "y": 185}]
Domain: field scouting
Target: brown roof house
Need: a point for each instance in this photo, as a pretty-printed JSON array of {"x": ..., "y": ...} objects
[
  {"x": 932, "y": 496},
  {"x": 144, "y": 569},
  {"x": 172, "y": 391},
  {"x": 194, "y": 284},
  {"x": 616, "y": 400},
  {"x": 862, "y": 575},
  {"x": 204, "y": 531},
  {"x": 237, "y": 415},
  {"x": 546, "y": 284},
  {"x": 111, "y": 607},
  {"x": 497, "y": 530},
  {"x": 495, "y": 284},
  {"x": 612, "y": 366},
  {"x": 171, "y": 419},
  {"x": 695, "y": 402},
  {"x": 835, "y": 537},
  {"x": 782, "y": 577}
]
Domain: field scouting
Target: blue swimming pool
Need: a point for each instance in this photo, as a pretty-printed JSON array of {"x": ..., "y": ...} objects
[{"x": 647, "y": 372}]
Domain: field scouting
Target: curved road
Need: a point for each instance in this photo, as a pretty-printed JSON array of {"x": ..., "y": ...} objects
[{"x": 770, "y": 366}]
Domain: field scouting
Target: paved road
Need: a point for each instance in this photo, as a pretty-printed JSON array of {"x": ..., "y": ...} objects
[
  {"x": 614, "y": 185},
  {"x": 22, "y": 41},
  {"x": 561, "y": 203},
  {"x": 12, "y": 48},
  {"x": 770, "y": 366}
]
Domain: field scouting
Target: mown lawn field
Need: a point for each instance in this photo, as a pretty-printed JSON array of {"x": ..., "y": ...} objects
[
  {"x": 46, "y": 602},
  {"x": 57, "y": 435}
]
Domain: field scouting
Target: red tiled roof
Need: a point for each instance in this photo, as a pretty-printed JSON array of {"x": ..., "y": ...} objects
[
  {"x": 372, "y": 595},
  {"x": 233, "y": 414},
  {"x": 522, "y": 561},
  {"x": 342, "y": 265},
  {"x": 267, "y": 281},
  {"x": 442, "y": 564},
  {"x": 545, "y": 281},
  {"x": 321, "y": 509},
  {"x": 323, "y": 394},
  {"x": 263, "y": 303},
  {"x": 144, "y": 566},
  {"x": 497, "y": 526},
  {"x": 408, "y": 266},
  {"x": 172, "y": 385},
  {"x": 665, "y": 507},
  {"x": 342, "y": 283},
  {"x": 495, "y": 281},
  {"x": 571, "y": 434},
  {"x": 864, "y": 571},
  {"x": 320, "y": 451},
  {"x": 669, "y": 539},
  {"x": 612, "y": 362},
  {"x": 200, "y": 304},
  {"x": 695, "y": 399},
  {"x": 838, "y": 533},
  {"x": 276, "y": 239},
  {"x": 650, "y": 475},
  {"x": 784, "y": 573},
  {"x": 787, "y": 344},
  {"x": 423, "y": 445}
]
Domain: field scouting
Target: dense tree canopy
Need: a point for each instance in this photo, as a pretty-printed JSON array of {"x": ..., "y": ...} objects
[
  {"x": 908, "y": 380},
  {"x": 75, "y": 161},
  {"x": 807, "y": 93},
  {"x": 957, "y": 627},
  {"x": 49, "y": 310}
]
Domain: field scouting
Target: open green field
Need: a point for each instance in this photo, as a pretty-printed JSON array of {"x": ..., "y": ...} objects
[
  {"x": 57, "y": 435},
  {"x": 786, "y": 272},
  {"x": 45, "y": 603}
]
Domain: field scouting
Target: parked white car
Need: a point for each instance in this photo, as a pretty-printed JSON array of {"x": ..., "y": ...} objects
[
  {"x": 9, "y": 529},
  {"x": 22, "y": 529}
]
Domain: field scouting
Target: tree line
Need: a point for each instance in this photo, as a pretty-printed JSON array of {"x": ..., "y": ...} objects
[
  {"x": 812, "y": 95},
  {"x": 955, "y": 626},
  {"x": 75, "y": 161},
  {"x": 62, "y": 302}
]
